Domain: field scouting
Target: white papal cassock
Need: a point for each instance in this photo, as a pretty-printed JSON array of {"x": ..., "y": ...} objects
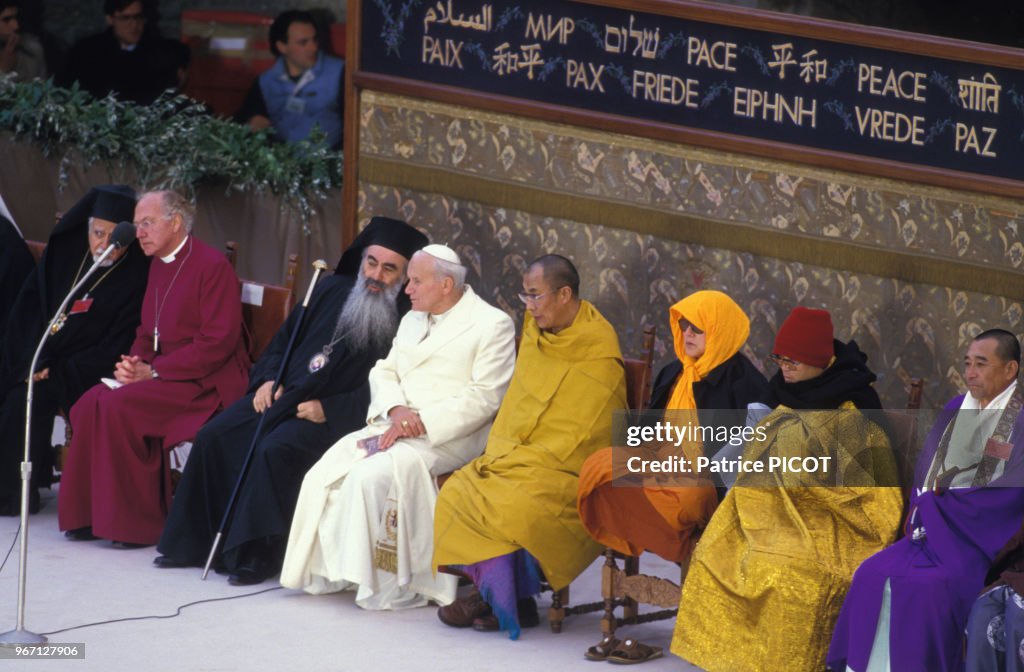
[{"x": 367, "y": 523}]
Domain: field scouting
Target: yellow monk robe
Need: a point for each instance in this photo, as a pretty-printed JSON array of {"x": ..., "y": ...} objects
[
  {"x": 771, "y": 570},
  {"x": 521, "y": 493}
]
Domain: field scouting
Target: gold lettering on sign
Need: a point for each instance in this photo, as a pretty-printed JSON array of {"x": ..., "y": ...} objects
[
  {"x": 783, "y": 56},
  {"x": 667, "y": 89},
  {"x": 967, "y": 140},
  {"x": 507, "y": 62},
  {"x": 754, "y": 103},
  {"x": 446, "y": 53},
  {"x": 443, "y": 14},
  {"x": 717, "y": 56},
  {"x": 617, "y": 40},
  {"x": 579, "y": 74},
  {"x": 906, "y": 85},
  {"x": 813, "y": 69},
  {"x": 980, "y": 96},
  {"x": 890, "y": 126},
  {"x": 544, "y": 27}
]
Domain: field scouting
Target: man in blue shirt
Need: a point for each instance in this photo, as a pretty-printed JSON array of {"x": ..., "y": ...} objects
[{"x": 303, "y": 89}]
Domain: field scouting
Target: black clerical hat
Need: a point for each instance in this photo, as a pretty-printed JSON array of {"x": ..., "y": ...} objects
[
  {"x": 393, "y": 234},
  {"x": 112, "y": 202}
]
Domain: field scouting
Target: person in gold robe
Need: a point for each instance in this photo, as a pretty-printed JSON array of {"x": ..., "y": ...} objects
[
  {"x": 509, "y": 515},
  {"x": 770, "y": 572}
]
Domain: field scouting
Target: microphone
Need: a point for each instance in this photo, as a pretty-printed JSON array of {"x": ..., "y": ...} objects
[{"x": 123, "y": 235}]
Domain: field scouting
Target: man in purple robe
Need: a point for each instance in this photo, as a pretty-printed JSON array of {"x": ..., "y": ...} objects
[
  {"x": 188, "y": 361},
  {"x": 908, "y": 605}
]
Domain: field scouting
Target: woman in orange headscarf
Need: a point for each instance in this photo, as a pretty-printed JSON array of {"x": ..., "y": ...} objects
[{"x": 712, "y": 377}]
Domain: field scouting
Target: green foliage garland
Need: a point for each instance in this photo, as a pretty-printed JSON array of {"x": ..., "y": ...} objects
[{"x": 172, "y": 144}]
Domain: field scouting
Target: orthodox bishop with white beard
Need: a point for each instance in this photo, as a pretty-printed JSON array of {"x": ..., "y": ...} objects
[{"x": 348, "y": 326}]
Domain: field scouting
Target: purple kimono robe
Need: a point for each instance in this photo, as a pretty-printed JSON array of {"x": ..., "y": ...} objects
[{"x": 934, "y": 580}]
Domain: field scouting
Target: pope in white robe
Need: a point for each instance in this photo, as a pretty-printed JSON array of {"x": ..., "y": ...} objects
[{"x": 365, "y": 515}]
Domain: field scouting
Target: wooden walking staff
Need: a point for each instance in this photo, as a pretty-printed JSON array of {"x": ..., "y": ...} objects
[{"x": 319, "y": 267}]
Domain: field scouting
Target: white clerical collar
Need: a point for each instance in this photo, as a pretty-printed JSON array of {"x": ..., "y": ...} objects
[
  {"x": 999, "y": 402},
  {"x": 170, "y": 257}
]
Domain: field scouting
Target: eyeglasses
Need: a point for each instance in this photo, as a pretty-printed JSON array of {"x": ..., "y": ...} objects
[
  {"x": 685, "y": 324},
  {"x": 529, "y": 299},
  {"x": 130, "y": 18},
  {"x": 785, "y": 361},
  {"x": 149, "y": 222}
]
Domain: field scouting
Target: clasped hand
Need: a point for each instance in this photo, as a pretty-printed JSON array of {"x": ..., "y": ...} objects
[{"x": 131, "y": 369}]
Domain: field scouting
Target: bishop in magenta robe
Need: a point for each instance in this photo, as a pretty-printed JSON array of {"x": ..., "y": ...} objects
[{"x": 187, "y": 362}]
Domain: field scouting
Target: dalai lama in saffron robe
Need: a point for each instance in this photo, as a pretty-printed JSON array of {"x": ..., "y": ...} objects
[
  {"x": 511, "y": 514},
  {"x": 188, "y": 361}
]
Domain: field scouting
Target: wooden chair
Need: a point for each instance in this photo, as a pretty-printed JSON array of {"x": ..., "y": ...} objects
[
  {"x": 36, "y": 248},
  {"x": 638, "y": 395},
  {"x": 628, "y": 588},
  {"x": 266, "y": 307},
  {"x": 903, "y": 435},
  {"x": 231, "y": 252}
]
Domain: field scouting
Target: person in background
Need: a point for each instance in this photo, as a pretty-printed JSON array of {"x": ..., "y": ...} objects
[
  {"x": 302, "y": 90},
  {"x": 20, "y": 52},
  {"x": 129, "y": 59}
]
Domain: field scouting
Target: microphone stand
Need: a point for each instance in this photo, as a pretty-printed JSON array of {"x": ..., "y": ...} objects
[
  {"x": 20, "y": 635},
  {"x": 319, "y": 265}
]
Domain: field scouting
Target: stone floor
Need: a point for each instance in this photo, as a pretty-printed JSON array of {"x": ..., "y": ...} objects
[{"x": 73, "y": 586}]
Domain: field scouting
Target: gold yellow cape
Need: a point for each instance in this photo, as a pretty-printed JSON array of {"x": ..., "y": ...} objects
[
  {"x": 771, "y": 570},
  {"x": 521, "y": 493}
]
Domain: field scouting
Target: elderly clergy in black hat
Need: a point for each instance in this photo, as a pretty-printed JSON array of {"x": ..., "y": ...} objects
[
  {"x": 348, "y": 326},
  {"x": 98, "y": 324}
]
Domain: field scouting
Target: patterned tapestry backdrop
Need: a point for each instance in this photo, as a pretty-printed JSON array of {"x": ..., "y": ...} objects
[{"x": 907, "y": 329}]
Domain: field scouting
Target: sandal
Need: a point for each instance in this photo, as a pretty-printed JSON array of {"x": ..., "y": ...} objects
[
  {"x": 632, "y": 652},
  {"x": 602, "y": 649}
]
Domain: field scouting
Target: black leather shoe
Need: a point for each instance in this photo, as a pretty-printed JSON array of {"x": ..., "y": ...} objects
[
  {"x": 127, "y": 545},
  {"x": 80, "y": 534},
  {"x": 253, "y": 571},
  {"x": 167, "y": 562}
]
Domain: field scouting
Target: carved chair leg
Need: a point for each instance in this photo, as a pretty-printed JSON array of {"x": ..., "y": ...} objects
[
  {"x": 556, "y": 613},
  {"x": 630, "y": 608},
  {"x": 608, "y": 592}
]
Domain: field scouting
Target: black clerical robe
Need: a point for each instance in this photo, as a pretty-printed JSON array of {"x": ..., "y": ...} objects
[
  {"x": 16, "y": 263},
  {"x": 288, "y": 446},
  {"x": 101, "y": 320}
]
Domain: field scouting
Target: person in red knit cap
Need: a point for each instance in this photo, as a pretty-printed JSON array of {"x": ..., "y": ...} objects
[{"x": 769, "y": 573}]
